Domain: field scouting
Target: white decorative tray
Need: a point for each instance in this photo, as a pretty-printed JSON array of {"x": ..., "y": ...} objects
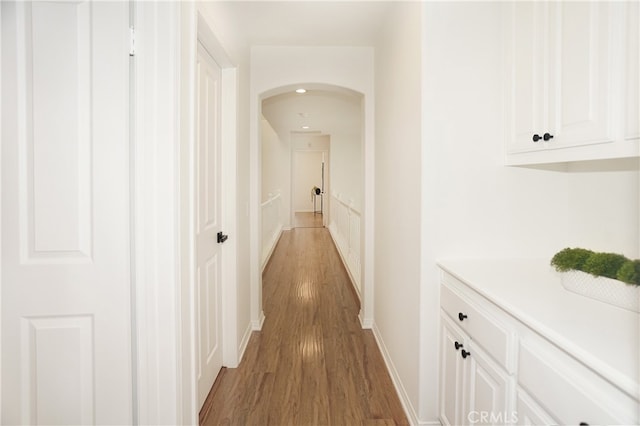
[{"x": 604, "y": 289}]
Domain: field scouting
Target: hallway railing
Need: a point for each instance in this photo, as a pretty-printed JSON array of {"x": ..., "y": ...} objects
[
  {"x": 345, "y": 229},
  {"x": 271, "y": 226}
]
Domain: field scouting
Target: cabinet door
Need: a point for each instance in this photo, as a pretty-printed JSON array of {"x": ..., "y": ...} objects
[
  {"x": 488, "y": 397},
  {"x": 530, "y": 413},
  {"x": 582, "y": 64},
  {"x": 451, "y": 372},
  {"x": 632, "y": 56},
  {"x": 526, "y": 74}
]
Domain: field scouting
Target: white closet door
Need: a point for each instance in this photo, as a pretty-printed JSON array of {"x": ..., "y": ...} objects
[
  {"x": 208, "y": 216},
  {"x": 66, "y": 327}
]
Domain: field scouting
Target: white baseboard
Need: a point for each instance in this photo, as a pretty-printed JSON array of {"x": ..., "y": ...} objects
[
  {"x": 395, "y": 378},
  {"x": 273, "y": 247},
  {"x": 244, "y": 342},
  {"x": 256, "y": 325},
  {"x": 346, "y": 267},
  {"x": 366, "y": 324}
]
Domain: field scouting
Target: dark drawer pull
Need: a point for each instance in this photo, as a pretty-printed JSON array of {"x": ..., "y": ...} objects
[
  {"x": 457, "y": 345},
  {"x": 461, "y": 316},
  {"x": 465, "y": 353}
]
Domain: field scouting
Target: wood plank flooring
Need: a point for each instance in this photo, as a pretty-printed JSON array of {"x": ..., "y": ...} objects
[
  {"x": 312, "y": 364},
  {"x": 307, "y": 220}
]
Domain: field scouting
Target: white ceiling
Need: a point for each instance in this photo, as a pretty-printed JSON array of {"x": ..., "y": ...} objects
[
  {"x": 305, "y": 23},
  {"x": 325, "y": 112},
  {"x": 300, "y": 22}
]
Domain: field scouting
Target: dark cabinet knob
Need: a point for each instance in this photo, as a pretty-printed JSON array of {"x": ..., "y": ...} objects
[
  {"x": 222, "y": 237},
  {"x": 457, "y": 345},
  {"x": 545, "y": 137},
  {"x": 465, "y": 353},
  {"x": 584, "y": 424},
  {"x": 461, "y": 316}
]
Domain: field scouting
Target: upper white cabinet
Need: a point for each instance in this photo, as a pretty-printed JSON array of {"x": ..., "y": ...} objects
[
  {"x": 632, "y": 69},
  {"x": 572, "y": 81}
]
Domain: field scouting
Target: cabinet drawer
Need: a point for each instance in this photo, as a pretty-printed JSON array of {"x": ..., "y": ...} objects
[
  {"x": 482, "y": 326},
  {"x": 570, "y": 390}
]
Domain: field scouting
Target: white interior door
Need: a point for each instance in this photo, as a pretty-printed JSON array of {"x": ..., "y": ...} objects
[
  {"x": 208, "y": 222},
  {"x": 66, "y": 320}
]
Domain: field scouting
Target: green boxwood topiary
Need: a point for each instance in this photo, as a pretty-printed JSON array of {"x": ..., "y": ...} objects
[
  {"x": 610, "y": 265},
  {"x": 604, "y": 264},
  {"x": 570, "y": 259},
  {"x": 629, "y": 272}
]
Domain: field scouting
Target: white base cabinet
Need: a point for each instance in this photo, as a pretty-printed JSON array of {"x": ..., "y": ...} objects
[
  {"x": 496, "y": 369},
  {"x": 489, "y": 394},
  {"x": 528, "y": 412},
  {"x": 476, "y": 360},
  {"x": 476, "y": 390}
]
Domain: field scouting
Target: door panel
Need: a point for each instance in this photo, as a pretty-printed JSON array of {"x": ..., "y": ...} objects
[
  {"x": 208, "y": 213},
  {"x": 528, "y": 103},
  {"x": 452, "y": 371},
  {"x": 582, "y": 69},
  {"x": 489, "y": 390},
  {"x": 66, "y": 320}
]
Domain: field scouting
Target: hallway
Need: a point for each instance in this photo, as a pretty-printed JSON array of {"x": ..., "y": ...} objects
[{"x": 312, "y": 363}]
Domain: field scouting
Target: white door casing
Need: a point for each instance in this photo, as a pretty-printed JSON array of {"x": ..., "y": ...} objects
[
  {"x": 66, "y": 320},
  {"x": 208, "y": 222}
]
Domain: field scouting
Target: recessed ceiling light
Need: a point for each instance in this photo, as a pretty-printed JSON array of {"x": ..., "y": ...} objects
[
  {"x": 305, "y": 127},
  {"x": 301, "y": 90}
]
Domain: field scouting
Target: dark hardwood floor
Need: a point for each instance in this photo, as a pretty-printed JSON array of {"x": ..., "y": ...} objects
[{"x": 312, "y": 364}]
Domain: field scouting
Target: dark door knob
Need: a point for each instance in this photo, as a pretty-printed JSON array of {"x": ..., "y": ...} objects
[
  {"x": 547, "y": 136},
  {"x": 536, "y": 137},
  {"x": 222, "y": 237},
  {"x": 465, "y": 353},
  {"x": 457, "y": 345},
  {"x": 461, "y": 316}
]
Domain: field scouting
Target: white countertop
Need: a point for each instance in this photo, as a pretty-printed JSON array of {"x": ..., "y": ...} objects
[{"x": 604, "y": 337}]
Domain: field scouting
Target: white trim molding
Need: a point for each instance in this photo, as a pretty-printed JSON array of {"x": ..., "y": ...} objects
[
  {"x": 194, "y": 28},
  {"x": 344, "y": 226},
  {"x": 272, "y": 226},
  {"x": 395, "y": 378},
  {"x": 155, "y": 212}
]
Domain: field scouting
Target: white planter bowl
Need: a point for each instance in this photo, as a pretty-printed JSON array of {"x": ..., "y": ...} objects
[{"x": 606, "y": 290}]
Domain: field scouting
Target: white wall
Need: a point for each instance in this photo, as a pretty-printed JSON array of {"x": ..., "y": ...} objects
[
  {"x": 602, "y": 201},
  {"x": 276, "y": 169},
  {"x": 346, "y": 169},
  {"x": 397, "y": 207}
]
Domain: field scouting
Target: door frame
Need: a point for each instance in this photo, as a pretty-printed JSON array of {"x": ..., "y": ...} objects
[
  {"x": 199, "y": 31},
  {"x": 263, "y": 89},
  {"x": 326, "y": 156},
  {"x": 164, "y": 368}
]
